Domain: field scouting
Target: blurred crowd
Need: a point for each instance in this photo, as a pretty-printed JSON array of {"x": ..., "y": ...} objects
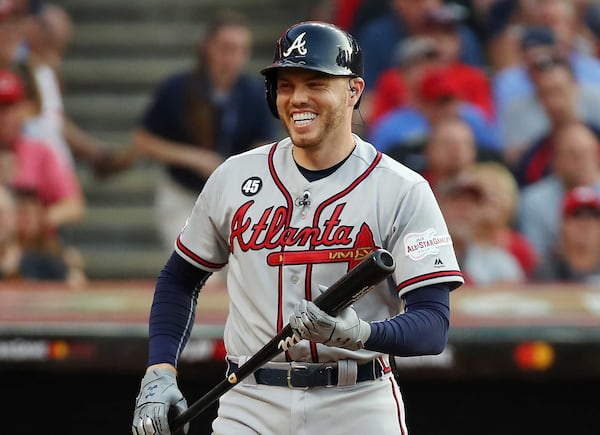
[{"x": 495, "y": 102}]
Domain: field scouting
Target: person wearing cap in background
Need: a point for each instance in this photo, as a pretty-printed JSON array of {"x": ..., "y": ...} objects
[
  {"x": 437, "y": 97},
  {"x": 396, "y": 86},
  {"x": 558, "y": 101},
  {"x": 33, "y": 164},
  {"x": 558, "y": 98},
  {"x": 466, "y": 205},
  {"x": 438, "y": 46},
  {"x": 576, "y": 255},
  {"x": 575, "y": 162},
  {"x": 407, "y": 19},
  {"x": 514, "y": 82}
]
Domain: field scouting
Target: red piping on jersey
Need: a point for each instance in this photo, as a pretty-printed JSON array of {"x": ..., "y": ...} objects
[
  {"x": 399, "y": 407},
  {"x": 320, "y": 208},
  {"x": 196, "y": 258},
  {"x": 290, "y": 204},
  {"x": 397, "y": 395},
  {"x": 428, "y": 276}
]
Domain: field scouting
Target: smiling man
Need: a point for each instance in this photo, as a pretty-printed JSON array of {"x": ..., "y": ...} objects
[{"x": 289, "y": 219}]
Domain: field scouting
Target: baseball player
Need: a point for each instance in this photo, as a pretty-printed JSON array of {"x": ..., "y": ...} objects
[{"x": 289, "y": 219}]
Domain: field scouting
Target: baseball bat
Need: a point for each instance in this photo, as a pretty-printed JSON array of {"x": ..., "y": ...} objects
[{"x": 373, "y": 269}]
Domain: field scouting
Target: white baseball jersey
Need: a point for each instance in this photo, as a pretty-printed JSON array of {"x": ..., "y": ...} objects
[{"x": 285, "y": 239}]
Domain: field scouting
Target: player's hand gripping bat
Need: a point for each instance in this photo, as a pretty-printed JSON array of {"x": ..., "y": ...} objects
[{"x": 373, "y": 269}]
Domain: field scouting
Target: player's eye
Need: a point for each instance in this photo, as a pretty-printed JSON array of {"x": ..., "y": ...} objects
[
  {"x": 283, "y": 86},
  {"x": 317, "y": 84}
]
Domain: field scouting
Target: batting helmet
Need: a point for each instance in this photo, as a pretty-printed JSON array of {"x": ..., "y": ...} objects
[{"x": 316, "y": 46}]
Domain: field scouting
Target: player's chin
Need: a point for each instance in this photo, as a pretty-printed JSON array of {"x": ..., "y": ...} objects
[
  {"x": 304, "y": 134},
  {"x": 304, "y": 140}
]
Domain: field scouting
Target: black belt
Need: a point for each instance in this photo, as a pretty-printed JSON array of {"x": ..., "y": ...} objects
[{"x": 305, "y": 375}]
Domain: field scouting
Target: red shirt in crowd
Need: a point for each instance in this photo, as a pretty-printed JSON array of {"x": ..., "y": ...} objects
[
  {"x": 39, "y": 168},
  {"x": 390, "y": 91}
]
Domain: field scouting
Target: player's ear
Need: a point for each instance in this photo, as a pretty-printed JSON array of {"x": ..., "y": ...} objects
[{"x": 356, "y": 86}]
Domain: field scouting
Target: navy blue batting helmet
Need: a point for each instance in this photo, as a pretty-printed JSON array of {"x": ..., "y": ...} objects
[{"x": 316, "y": 46}]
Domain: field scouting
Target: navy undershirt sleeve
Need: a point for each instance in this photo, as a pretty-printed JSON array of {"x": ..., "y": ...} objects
[
  {"x": 173, "y": 309},
  {"x": 421, "y": 330}
]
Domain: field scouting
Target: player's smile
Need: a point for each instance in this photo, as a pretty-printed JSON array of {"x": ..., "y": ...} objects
[{"x": 304, "y": 118}]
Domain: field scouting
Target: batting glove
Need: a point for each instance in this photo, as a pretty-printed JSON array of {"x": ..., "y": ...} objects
[
  {"x": 158, "y": 396},
  {"x": 345, "y": 330}
]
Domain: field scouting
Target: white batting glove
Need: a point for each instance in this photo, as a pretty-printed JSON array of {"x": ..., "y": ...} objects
[
  {"x": 345, "y": 330},
  {"x": 158, "y": 393}
]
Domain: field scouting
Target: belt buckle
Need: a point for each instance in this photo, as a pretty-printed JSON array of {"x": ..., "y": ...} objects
[{"x": 294, "y": 367}]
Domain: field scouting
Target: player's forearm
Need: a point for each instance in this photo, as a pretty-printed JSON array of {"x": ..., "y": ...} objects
[
  {"x": 421, "y": 330},
  {"x": 173, "y": 308}
]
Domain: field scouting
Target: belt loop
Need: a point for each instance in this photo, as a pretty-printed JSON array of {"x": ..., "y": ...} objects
[
  {"x": 347, "y": 373},
  {"x": 250, "y": 379}
]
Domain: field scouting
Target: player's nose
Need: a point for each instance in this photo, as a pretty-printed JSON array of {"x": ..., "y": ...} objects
[{"x": 299, "y": 95}]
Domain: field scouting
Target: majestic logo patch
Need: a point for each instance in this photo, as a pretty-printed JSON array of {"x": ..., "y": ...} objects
[
  {"x": 252, "y": 186},
  {"x": 419, "y": 245},
  {"x": 298, "y": 44}
]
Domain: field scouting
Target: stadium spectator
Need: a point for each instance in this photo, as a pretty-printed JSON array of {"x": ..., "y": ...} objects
[
  {"x": 47, "y": 35},
  {"x": 200, "y": 117},
  {"x": 558, "y": 101},
  {"x": 397, "y": 85},
  {"x": 32, "y": 164},
  {"x": 443, "y": 25},
  {"x": 449, "y": 151},
  {"x": 498, "y": 213},
  {"x": 20, "y": 263},
  {"x": 514, "y": 83},
  {"x": 407, "y": 18},
  {"x": 440, "y": 47},
  {"x": 437, "y": 97},
  {"x": 575, "y": 162},
  {"x": 570, "y": 20},
  {"x": 351, "y": 15},
  {"x": 45, "y": 255},
  {"x": 466, "y": 209},
  {"x": 576, "y": 255}
]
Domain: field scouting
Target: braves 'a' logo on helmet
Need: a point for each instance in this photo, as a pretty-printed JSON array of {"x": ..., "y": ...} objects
[{"x": 298, "y": 44}]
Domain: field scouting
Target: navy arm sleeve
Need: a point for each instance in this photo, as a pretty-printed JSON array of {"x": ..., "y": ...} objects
[
  {"x": 421, "y": 330},
  {"x": 173, "y": 309}
]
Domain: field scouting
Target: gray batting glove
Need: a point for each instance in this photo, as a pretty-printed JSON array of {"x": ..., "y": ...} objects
[
  {"x": 158, "y": 394},
  {"x": 345, "y": 330}
]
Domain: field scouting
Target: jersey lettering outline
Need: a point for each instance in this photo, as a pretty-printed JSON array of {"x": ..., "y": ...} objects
[{"x": 270, "y": 231}]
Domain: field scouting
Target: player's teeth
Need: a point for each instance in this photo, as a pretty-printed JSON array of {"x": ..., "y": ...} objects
[{"x": 303, "y": 118}]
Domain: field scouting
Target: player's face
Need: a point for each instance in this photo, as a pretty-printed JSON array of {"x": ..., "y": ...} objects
[{"x": 313, "y": 107}]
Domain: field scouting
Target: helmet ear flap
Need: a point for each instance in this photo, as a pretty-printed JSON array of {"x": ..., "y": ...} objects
[{"x": 271, "y": 94}]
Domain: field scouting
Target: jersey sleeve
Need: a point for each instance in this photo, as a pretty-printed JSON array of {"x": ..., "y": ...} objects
[
  {"x": 203, "y": 239},
  {"x": 421, "y": 243}
]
